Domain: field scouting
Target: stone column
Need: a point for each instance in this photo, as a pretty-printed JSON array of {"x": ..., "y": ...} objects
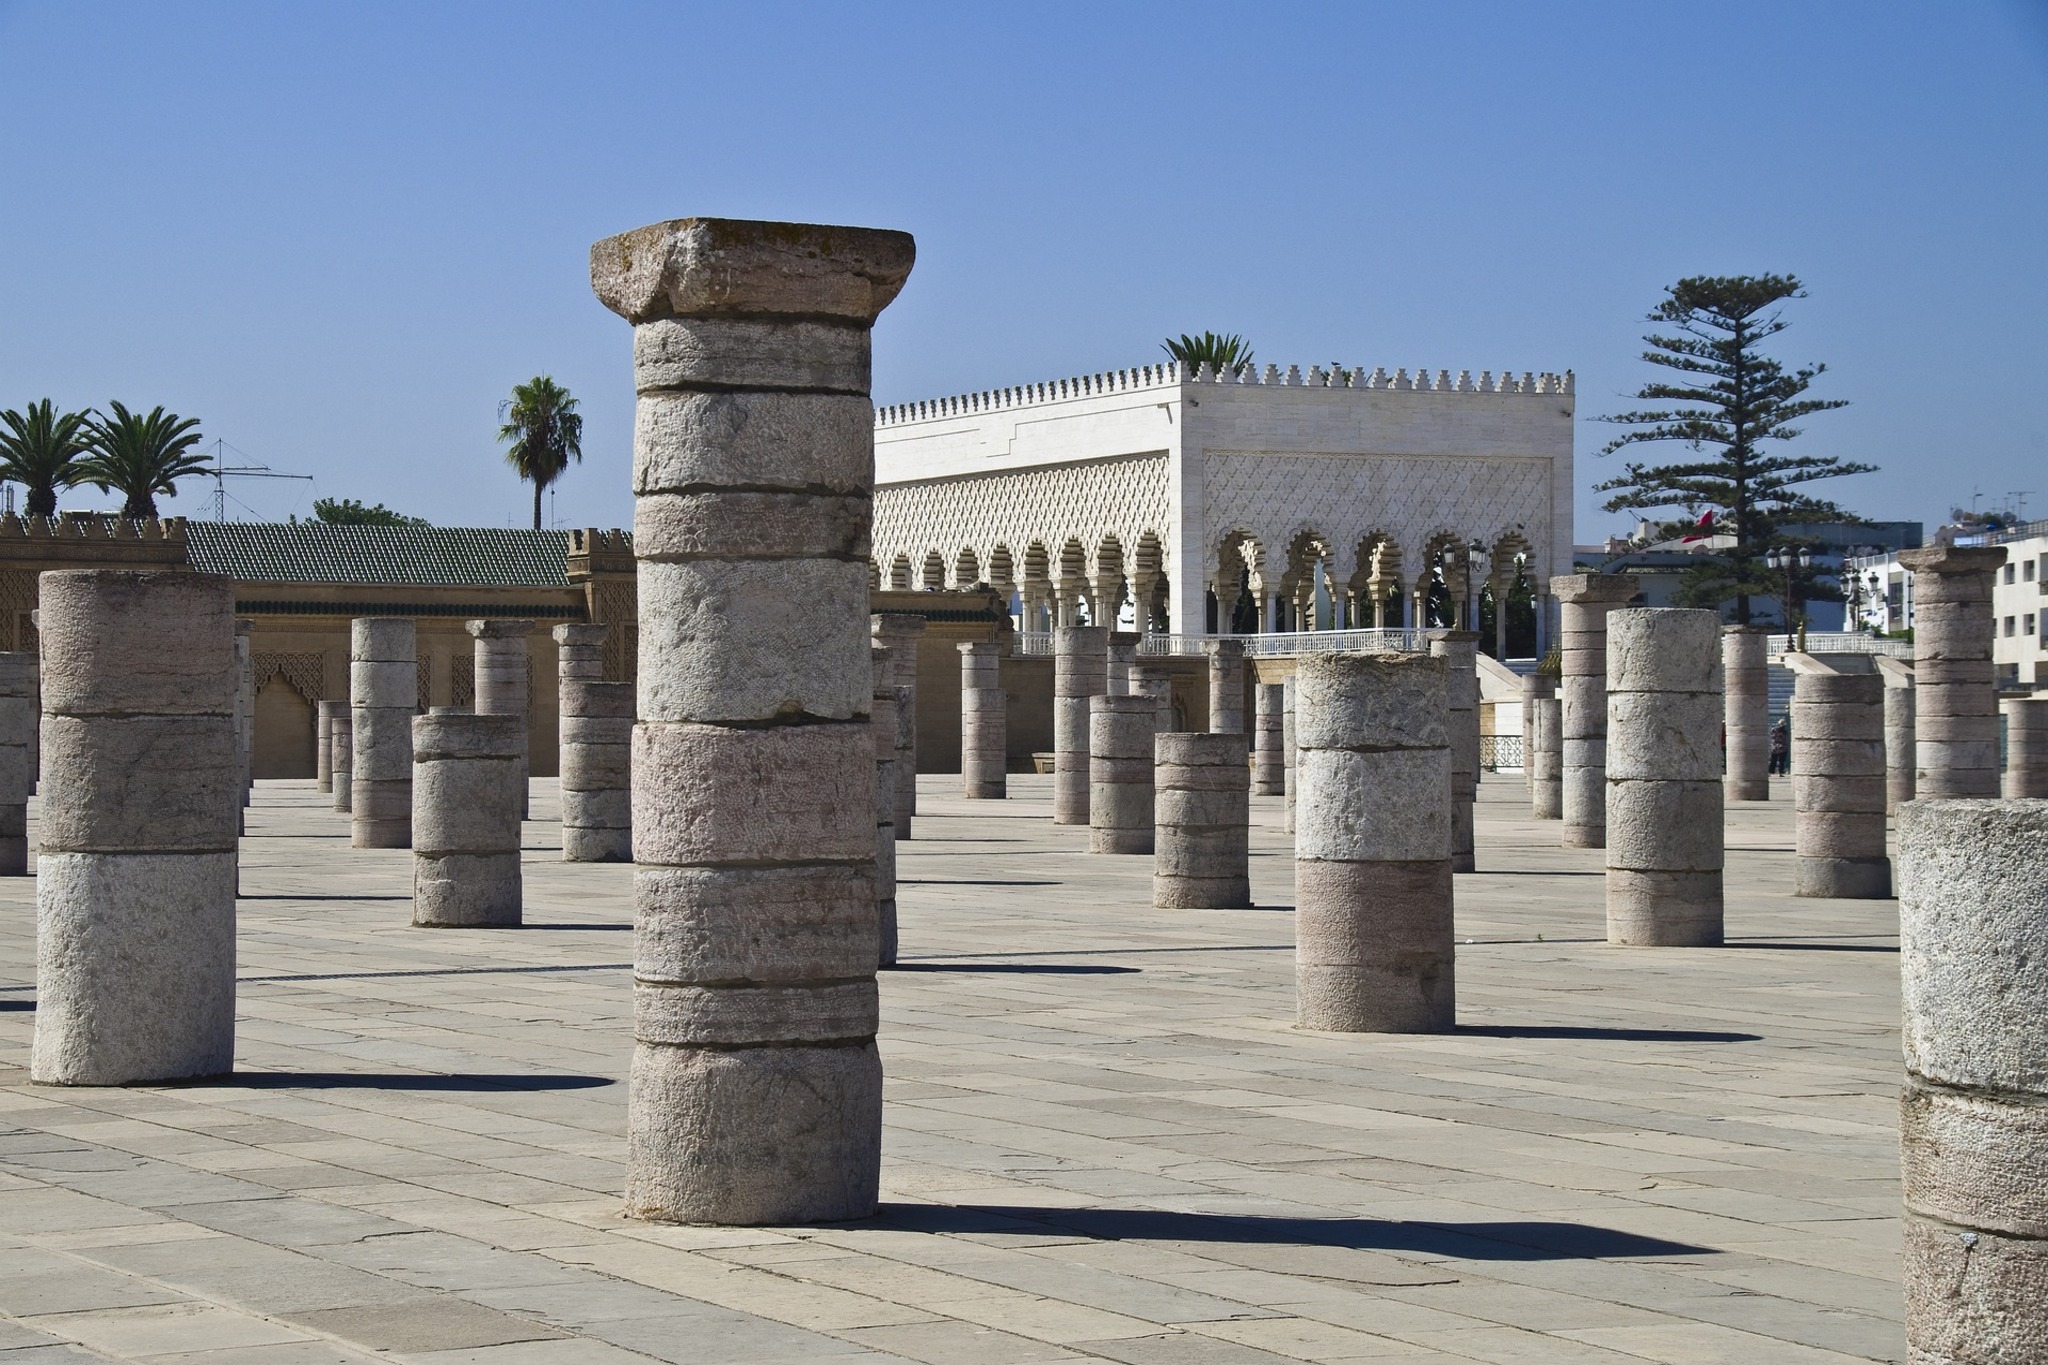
[
  {"x": 579, "y": 652},
  {"x": 1202, "y": 809},
  {"x": 1838, "y": 785},
  {"x": 342, "y": 760},
  {"x": 1664, "y": 805},
  {"x": 1269, "y": 758},
  {"x": 1226, "y": 687},
  {"x": 1956, "y": 712},
  {"x": 1374, "y": 949},
  {"x": 383, "y": 695},
  {"x": 135, "y": 882},
  {"x": 18, "y": 720},
  {"x": 984, "y": 731},
  {"x": 1120, "y": 733},
  {"x": 882, "y": 722},
  {"x": 504, "y": 664},
  {"x": 467, "y": 777},
  {"x": 245, "y": 709},
  {"x": 1973, "y": 941},
  {"x": 1080, "y": 670},
  {"x": 597, "y": 771},
  {"x": 1546, "y": 789},
  {"x": 1745, "y": 673},
  {"x": 900, "y": 633},
  {"x": 1899, "y": 745},
  {"x": 1290, "y": 754},
  {"x": 756, "y": 1090},
  {"x": 1585, "y": 599},
  {"x": 1123, "y": 652},
  {"x": 1536, "y": 685},
  {"x": 1155, "y": 681},
  {"x": 1461, "y": 647},
  {"x": 323, "y": 745},
  {"x": 2026, "y": 747}
]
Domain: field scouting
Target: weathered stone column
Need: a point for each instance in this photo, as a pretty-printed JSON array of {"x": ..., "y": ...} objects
[
  {"x": 18, "y": 720},
  {"x": 135, "y": 885},
  {"x": 1665, "y": 846},
  {"x": 1461, "y": 647},
  {"x": 882, "y": 721},
  {"x": 756, "y": 1087},
  {"x": 1745, "y": 673},
  {"x": 1584, "y": 600},
  {"x": 1290, "y": 753},
  {"x": 2026, "y": 747},
  {"x": 1080, "y": 670},
  {"x": 383, "y": 681},
  {"x": 984, "y": 726},
  {"x": 1120, "y": 733},
  {"x": 1202, "y": 808},
  {"x": 1536, "y": 685},
  {"x": 1374, "y": 950},
  {"x": 1838, "y": 784},
  {"x": 1155, "y": 681},
  {"x": 1956, "y": 711},
  {"x": 342, "y": 761},
  {"x": 323, "y": 744},
  {"x": 245, "y": 709},
  {"x": 1226, "y": 687},
  {"x": 579, "y": 652},
  {"x": 1123, "y": 652},
  {"x": 1899, "y": 760},
  {"x": 1269, "y": 757},
  {"x": 901, "y": 633},
  {"x": 1546, "y": 791},
  {"x": 504, "y": 681},
  {"x": 597, "y": 771},
  {"x": 467, "y": 777},
  {"x": 1973, "y": 941}
]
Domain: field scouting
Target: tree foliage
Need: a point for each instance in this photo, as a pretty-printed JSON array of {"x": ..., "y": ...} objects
[
  {"x": 141, "y": 456},
  {"x": 41, "y": 450},
  {"x": 1732, "y": 399},
  {"x": 349, "y": 512},
  {"x": 545, "y": 430},
  {"x": 1226, "y": 355}
]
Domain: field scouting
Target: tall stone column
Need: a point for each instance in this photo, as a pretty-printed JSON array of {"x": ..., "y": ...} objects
[
  {"x": 579, "y": 651},
  {"x": 1080, "y": 670},
  {"x": 1956, "y": 711},
  {"x": 984, "y": 726},
  {"x": 1838, "y": 785},
  {"x": 901, "y": 633},
  {"x": 1155, "y": 681},
  {"x": 882, "y": 722},
  {"x": 1546, "y": 787},
  {"x": 135, "y": 882},
  {"x": 597, "y": 771},
  {"x": 323, "y": 745},
  {"x": 1202, "y": 809},
  {"x": 504, "y": 668},
  {"x": 18, "y": 720},
  {"x": 1374, "y": 949},
  {"x": 1973, "y": 954},
  {"x": 1461, "y": 647},
  {"x": 2026, "y": 747},
  {"x": 245, "y": 709},
  {"x": 1899, "y": 761},
  {"x": 756, "y": 1091},
  {"x": 342, "y": 759},
  {"x": 1120, "y": 734},
  {"x": 1585, "y": 599},
  {"x": 1269, "y": 759},
  {"x": 1123, "y": 652},
  {"x": 1665, "y": 846},
  {"x": 1226, "y": 687},
  {"x": 1745, "y": 672},
  {"x": 383, "y": 682},
  {"x": 1290, "y": 754},
  {"x": 467, "y": 779},
  {"x": 1536, "y": 685}
]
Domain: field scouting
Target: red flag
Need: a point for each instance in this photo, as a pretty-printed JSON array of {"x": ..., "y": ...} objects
[{"x": 1702, "y": 528}]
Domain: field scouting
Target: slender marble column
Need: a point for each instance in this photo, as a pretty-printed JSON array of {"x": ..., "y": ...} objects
[
  {"x": 882, "y": 720},
  {"x": 1838, "y": 785},
  {"x": 1080, "y": 670},
  {"x": 902, "y": 634},
  {"x": 1374, "y": 949},
  {"x": 323, "y": 745},
  {"x": 984, "y": 731},
  {"x": 1584, "y": 600},
  {"x": 1899, "y": 744},
  {"x": 467, "y": 778},
  {"x": 1226, "y": 687},
  {"x": 135, "y": 882},
  {"x": 342, "y": 757},
  {"x": 1745, "y": 669},
  {"x": 597, "y": 771},
  {"x": 383, "y": 694},
  {"x": 1461, "y": 647},
  {"x": 1973, "y": 956},
  {"x": 1665, "y": 846},
  {"x": 1120, "y": 734},
  {"x": 1202, "y": 806},
  {"x": 1956, "y": 711},
  {"x": 1269, "y": 757},
  {"x": 2026, "y": 747},
  {"x": 504, "y": 685},
  {"x": 18, "y": 721},
  {"x": 756, "y": 1089},
  {"x": 1123, "y": 652}
]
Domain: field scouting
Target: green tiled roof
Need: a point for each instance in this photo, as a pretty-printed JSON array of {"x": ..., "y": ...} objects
[{"x": 397, "y": 556}]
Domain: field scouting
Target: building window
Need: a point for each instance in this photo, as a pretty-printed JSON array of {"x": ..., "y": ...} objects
[
  {"x": 2030, "y": 571},
  {"x": 2010, "y": 570},
  {"x": 2008, "y": 625},
  {"x": 2027, "y": 624}
]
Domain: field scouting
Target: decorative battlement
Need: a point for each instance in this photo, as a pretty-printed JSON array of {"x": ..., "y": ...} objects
[
  {"x": 592, "y": 551},
  {"x": 1171, "y": 374},
  {"x": 89, "y": 526}
]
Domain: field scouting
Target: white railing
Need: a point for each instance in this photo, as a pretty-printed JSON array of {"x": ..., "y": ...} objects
[
  {"x": 1275, "y": 644},
  {"x": 1840, "y": 642}
]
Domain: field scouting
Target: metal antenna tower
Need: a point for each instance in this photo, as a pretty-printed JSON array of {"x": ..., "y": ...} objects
[{"x": 222, "y": 471}]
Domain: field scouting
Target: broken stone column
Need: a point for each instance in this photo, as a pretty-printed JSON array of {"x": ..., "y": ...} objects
[
  {"x": 1584, "y": 600},
  {"x": 2026, "y": 747},
  {"x": 984, "y": 728},
  {"x": 1461, "y": 647},
  {"x": 1374, "y": 950},
  {"x": 1536, "y": 685},
  {"x": 1290, "y": 754},
  {"x": 1956, "y": 711},
  {"x": 1123, "y": 652},
  {"x": 504, "y": 682},
  {"x": 1664, "y": 801},
  {"x": 135, "y": 882},
  {"x": 1269, "y": 758},
  {"x": 1202, "y": 809},
  {"x": 579, "y": 652},
  {"x": 323, "y": 745},
  {"x": 383, "y": 682},
  {"x": 342, "y": 757},
  {"x": 1838, "y": 783},
  {"x": 1226, "y": 687},
  {"x": 882, "y": 721},
  {"x": 900, "y": 633},
  {"x": 18, "y": 720},
  {"x": 1973, "y": 953},
  {"x": 1120, "y": 733},
  {"x": 1542, "y": 746},
  {"x": 1080, "y": 671},
  {"x": 1745, "y": 673},
  {"x": 1155, "y": 681},
  {"x": 597, "y": 771},
  {"x": 467, "y": 779},
  {"x": 1899, "y": 758},
  {"x": 756, "y": 1088}
]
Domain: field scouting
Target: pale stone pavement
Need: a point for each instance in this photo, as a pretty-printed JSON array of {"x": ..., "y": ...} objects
[{"x": 1105, "y": 1140}]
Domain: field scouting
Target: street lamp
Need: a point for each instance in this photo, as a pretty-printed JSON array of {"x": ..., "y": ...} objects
[{"x": 1786, "y": 558}]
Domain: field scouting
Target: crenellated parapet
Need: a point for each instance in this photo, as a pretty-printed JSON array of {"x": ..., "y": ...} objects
[{"x": 92, "y": 527}]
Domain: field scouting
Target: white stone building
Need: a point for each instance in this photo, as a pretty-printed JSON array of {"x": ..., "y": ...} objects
[
  {"x": 1336, "y": 498},
  {"x": 2019, "y": 602}
]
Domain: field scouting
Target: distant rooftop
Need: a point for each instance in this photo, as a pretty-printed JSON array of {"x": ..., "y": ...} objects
[{"x": 411, "y": 556}]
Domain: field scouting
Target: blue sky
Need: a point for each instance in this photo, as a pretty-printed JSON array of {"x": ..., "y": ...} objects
[{"x": 339, "y": 233}]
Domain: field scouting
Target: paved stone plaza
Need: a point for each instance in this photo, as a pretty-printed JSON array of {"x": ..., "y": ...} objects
[{"x": 1105, "y": 1140}]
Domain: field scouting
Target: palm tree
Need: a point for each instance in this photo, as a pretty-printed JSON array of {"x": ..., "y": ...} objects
[
  {"x": 545, "y": 430},
  {"x": 141, "y": 457},
  {"x": 1228, "y": 356},
  {"x": 40, "y": 452}
]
